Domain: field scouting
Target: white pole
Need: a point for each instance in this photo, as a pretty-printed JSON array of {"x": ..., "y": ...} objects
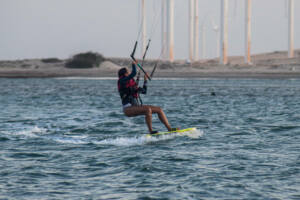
[
  {"x": 191, "y": 30},
  {"x": 166, "y": 29},
  {"x": 224, "y": 32},
  {"x": 196, "y": 30},
  {"x": 291, "y": 29},
  {"x": 248, "y": 32},
  {"x": 171, "y": 30},
  {"x": 144, "y": 36}
]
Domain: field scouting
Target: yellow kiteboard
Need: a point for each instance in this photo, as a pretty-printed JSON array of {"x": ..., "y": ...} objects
[{"x": 187, "y": 130}]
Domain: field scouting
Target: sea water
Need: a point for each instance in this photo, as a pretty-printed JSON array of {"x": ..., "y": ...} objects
[{"x": 68, "y": 139}]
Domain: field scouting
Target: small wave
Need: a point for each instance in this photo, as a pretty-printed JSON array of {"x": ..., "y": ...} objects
[
  {"x": 144, "y": 139},
  {"x": 31, "y": 132},
  {"x": 133, "y": 141},
  {"x": 123, "y": 141},
  {"x": 72, "y": 140},
  {"x": 193, "y": 134}
]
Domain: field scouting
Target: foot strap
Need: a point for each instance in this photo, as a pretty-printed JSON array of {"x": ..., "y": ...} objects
[{"x": 154, "y": 132}]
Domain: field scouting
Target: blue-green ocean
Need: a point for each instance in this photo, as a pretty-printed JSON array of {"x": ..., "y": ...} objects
[{"x": 68, "y": 139}]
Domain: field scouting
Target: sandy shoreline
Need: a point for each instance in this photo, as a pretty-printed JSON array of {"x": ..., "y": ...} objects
[
  {"x": 271, "y": 65},
  {"x": 91, "y": 74}
]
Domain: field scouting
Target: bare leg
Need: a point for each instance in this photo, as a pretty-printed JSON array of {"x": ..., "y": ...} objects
[
  {"x": 148, "y": 119},
  {"x": 161, "y": 115},
  {"x": 147, "y": 111},
  {"x": 140, "y": 110}
]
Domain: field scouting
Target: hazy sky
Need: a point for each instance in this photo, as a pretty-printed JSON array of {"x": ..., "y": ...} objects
[{"x": 62, "y": 28}]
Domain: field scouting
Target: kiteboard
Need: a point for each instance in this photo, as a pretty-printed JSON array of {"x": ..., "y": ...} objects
[{"x": 181, "y": 131}]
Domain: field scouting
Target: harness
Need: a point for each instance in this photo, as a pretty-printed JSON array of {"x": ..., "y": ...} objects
[{"x": 128, "y": 92}]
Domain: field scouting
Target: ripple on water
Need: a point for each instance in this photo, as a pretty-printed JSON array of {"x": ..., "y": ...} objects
[{"x": 68, "y": 138}]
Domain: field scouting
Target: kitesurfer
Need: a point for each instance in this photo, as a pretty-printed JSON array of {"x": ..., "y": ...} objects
[{"x": 129, "y": 93}]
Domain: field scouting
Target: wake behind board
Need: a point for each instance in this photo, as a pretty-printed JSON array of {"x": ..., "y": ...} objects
[{"x": 187, "y": 130}]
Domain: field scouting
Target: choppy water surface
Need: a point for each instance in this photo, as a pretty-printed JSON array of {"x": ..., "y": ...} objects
[{"x": 68, "y": 139}]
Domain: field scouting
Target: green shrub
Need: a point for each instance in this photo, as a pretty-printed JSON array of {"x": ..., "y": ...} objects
[
  {"x": 51, "y": 60},
  {"x": 85, "y": 60}
]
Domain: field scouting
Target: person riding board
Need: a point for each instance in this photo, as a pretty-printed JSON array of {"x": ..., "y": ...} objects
[{"x": 129, "y": 93}]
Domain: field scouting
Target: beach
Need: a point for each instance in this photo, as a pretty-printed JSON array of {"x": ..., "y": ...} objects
[{"x": 267, "y": 65}]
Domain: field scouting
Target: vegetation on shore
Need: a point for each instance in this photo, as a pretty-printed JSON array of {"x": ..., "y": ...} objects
[
  {"x": 51, "y": 60},
  {"x": 85, "y": 60}
]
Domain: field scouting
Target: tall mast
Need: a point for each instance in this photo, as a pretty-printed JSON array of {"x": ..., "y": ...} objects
[
  {"x": 171, "y": 30},
  {"x": 144, "y": 34},
  {"x": 248, "y": 32},
  {"x": 191, "y": 30},
  {"x": 224, "y": 32},
  {"x": 196, "y": 30},
  {"x": 291, "y": 29}
]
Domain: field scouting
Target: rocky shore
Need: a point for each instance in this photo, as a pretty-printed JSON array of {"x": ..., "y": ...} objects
[{"x": 269, "y": 65}]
